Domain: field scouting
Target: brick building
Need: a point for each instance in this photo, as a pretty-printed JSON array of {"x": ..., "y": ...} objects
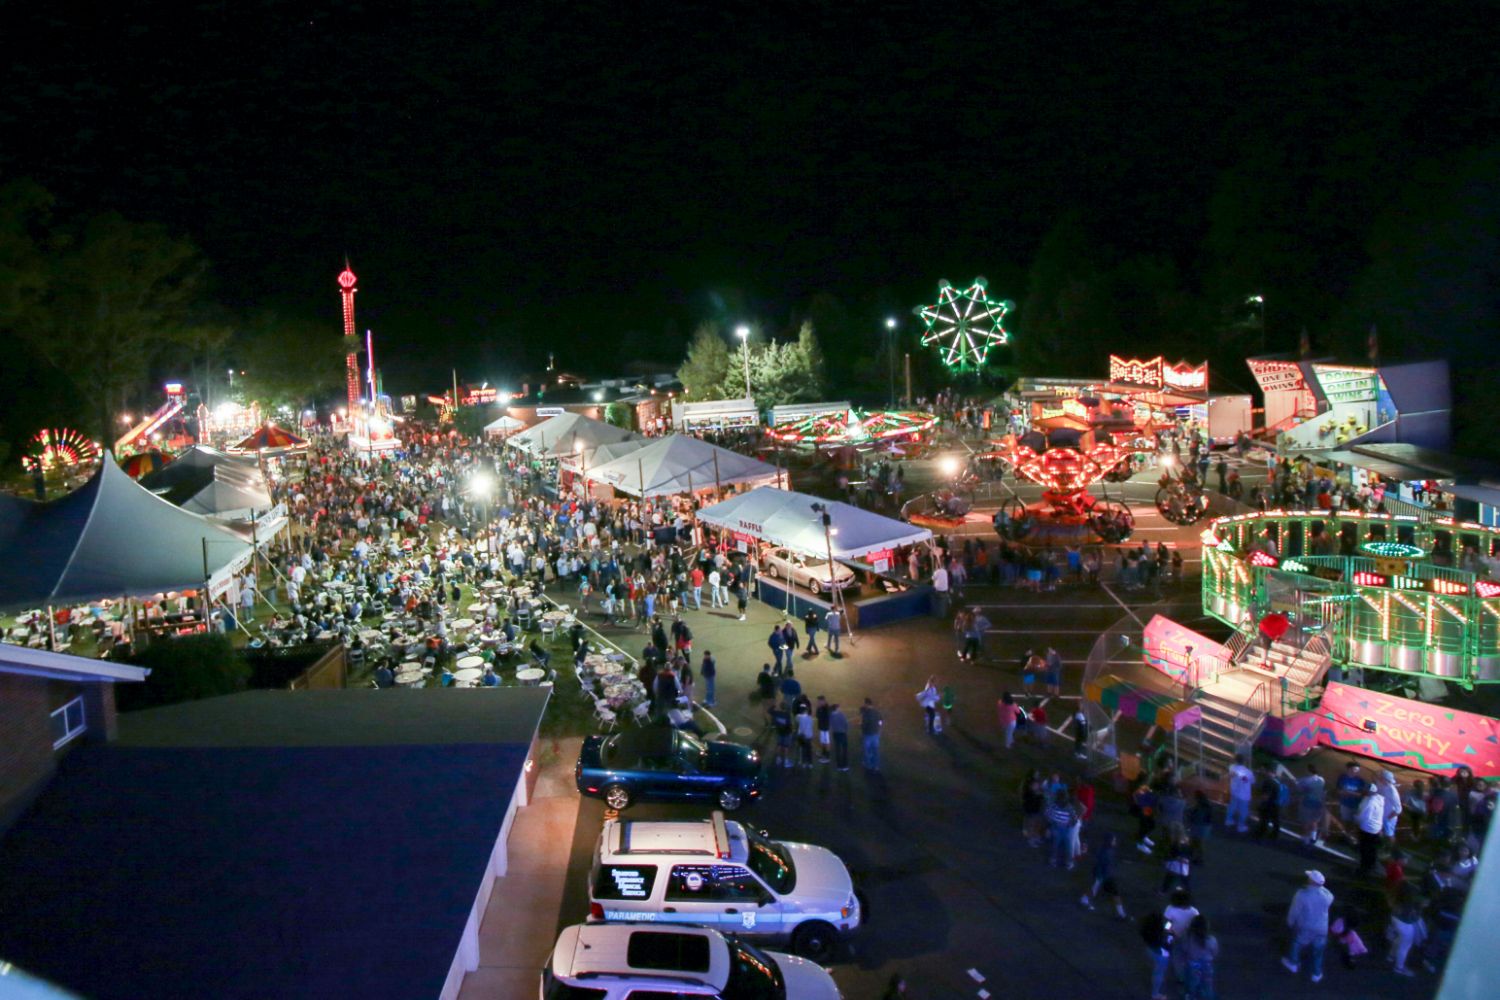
[{"x": 48, "y": 702}]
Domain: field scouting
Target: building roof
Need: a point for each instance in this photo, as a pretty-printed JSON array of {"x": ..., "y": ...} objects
[
  {"x": 1408, "y": 461},
  {"x": 64, "y": 666},
  {"x": 268, "y": 844}
]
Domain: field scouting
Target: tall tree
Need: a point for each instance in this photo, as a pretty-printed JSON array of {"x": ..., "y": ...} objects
[
  {"x": 288, "y": 362},
  {"x": 115, "y": 294},
  {"x": 707, "y": 361}
]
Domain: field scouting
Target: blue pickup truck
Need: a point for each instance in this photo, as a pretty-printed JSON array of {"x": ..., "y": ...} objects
[{"x": 659, "y": 762}]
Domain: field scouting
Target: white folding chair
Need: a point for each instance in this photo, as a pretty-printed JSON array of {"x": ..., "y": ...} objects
[
  {"x": 604, "y": 714},
  {"x": 641, "y": 713}
]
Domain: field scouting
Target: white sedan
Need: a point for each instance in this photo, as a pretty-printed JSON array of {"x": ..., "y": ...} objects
[{"x": 811, "y": 573}]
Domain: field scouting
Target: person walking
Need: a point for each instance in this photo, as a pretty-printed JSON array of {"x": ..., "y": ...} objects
[
  {"x": 695, "y": 580},
  {"x": 778, "y": 648},
  {"x": 1105, "y": 856},
  {"x": 1312, "y": 802},
  {"x": 741, "y": 592},
  {"x": 810, "y": 624},
  {"x": 928, "y": 698},
  {"x": 708, "y": 670},
  {"x": 1054, "y": 667},
  {"x": 833, "y": 624},
  {"x": 715, "y": 590},
  {"x": 1156, "y": 932},
  {"x": 804, "y": 723},
  {"x": 1308, "y": 919},
  {"x": 1370, "y": 820},
  {"x": 1406, "y": 929},
  {"x": 1241, "y": 784},
  {"x": 1009, "y": 711},
  {"x": 1271, "y": 791},
  {"x": 822, "y": 714},
  {"x": 1060, "y": 820},
  {"x": 1199, "y": 949},
  {"x": 1391, "y": 793},
  {"x": 838, "y": 725},
  {"x": 1080, "y": 734},
  {"x": 780, "y": 718},
  {"x": 870, "y": 721}
]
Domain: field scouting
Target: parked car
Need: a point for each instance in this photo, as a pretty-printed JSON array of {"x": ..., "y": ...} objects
[
  {"x": 720, "y": 873},
  {"x": 659, "y": 762},
  {"x": 810, "y": 572},
  {"x": 636, "y": 961}
]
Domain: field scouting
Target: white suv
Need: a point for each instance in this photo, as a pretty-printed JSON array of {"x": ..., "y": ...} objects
[
  {"x": 724, "y": 875},
  {"x": 646, "y": 962}
]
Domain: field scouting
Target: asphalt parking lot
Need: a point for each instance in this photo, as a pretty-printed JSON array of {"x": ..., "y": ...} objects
[{"x": 958, "y": 903}]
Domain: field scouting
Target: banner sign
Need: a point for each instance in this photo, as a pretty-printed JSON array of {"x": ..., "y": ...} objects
[
  {"x": 1346, "y": 385},
  {"x": 1408, "y": 733},
  {"x": 1180, "y": 653},
  {"x": 1159, "y": 374},
  {"x": 1273, "y": 376}
]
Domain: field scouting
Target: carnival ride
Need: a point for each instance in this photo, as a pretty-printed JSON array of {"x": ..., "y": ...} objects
[
  {"x": 965, "y": 324},
  {"x": 1065, "y": 473},
  {"x": 1180, "y": 497},
  {"x": 854, "y": 427},
  {"x": 53, "y": 449}
]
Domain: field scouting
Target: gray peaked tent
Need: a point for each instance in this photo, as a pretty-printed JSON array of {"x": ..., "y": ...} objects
[
  {"x": 109, "y": 538},
  {"x": 208, "y": 481}
]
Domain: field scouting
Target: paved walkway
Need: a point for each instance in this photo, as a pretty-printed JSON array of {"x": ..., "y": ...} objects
[{"x": 520, "y": 924}]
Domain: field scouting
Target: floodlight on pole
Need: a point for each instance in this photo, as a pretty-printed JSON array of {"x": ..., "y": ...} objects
[{"x": 743, "y": 332}]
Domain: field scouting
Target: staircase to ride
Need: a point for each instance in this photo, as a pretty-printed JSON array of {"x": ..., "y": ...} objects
[{"x": 1237, "y": 701}]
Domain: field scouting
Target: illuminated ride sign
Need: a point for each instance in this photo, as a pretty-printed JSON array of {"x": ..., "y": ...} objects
[{"x": 1159, "y": 374}]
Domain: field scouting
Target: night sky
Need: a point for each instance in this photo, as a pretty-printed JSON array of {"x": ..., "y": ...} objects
[{"x": 513, "y": 178}]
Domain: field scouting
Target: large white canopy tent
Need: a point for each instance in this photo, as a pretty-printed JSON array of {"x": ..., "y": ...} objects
[
  {"x": 595, "y": 457},
  {"x": 787, "y": 518},
  {"x": 680, "y": 463},
  {"x": 110, "y": 538},
  {"x": 566, "y": 434},
  {"x": 503, "y": 426}
]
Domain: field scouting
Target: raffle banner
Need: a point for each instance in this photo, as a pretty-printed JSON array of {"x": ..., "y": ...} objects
[{"x": 1408, "y": 733}]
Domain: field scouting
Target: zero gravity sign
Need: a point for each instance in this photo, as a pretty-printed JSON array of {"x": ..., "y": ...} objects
[{"x": 1406, "y": 732}]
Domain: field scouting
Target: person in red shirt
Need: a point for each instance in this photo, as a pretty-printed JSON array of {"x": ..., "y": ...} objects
[{"x": 696, "y": 579}]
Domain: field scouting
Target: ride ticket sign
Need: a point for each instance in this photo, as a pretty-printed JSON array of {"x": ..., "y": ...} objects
[{"x": 1409, "y": 733}]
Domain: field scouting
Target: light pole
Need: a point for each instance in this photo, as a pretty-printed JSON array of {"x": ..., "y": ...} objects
[
  {"x": 835, "y": 594},
  {"x": 890, "y": 350},
  {"x": 743, "y": 332},
  {"x": 480, "y": 484},
  {"x": 1259, "y": 301}
]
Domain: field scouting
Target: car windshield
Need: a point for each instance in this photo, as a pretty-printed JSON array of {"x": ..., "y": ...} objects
[
  {"x": 752, "y": 975},
  {"x": 772, "y": 862},
  {"x": 690, "y": 745}
]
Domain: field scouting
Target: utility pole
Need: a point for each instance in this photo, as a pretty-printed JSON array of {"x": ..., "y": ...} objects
[{"x": 908, "y": 378}]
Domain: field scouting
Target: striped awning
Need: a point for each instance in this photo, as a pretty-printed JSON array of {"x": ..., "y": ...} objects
[{"x": 1114, "y": 693}]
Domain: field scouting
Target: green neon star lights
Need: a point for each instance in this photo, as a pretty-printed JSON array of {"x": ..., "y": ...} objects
[{"x": 964, "y": 324}]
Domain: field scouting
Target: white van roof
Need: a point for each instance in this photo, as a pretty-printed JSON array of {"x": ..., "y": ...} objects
[
  {"x": 605, "y": 949},
  {"x": 709, "y": 838}
]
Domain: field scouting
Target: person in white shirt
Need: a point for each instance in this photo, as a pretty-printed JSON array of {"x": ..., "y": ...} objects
[
  {"x": 940, "y": 591},
  {"x": 1241, "y": 786},
  {"x": 718, "y": 598},
  {"x": 1370, "y": 818},
  {"x": 1391, "y": 793}
]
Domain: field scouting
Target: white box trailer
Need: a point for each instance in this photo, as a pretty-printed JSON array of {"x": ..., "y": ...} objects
[
  {"x": 714, "y": 415},
  {"x": 1228, "y": 416}
]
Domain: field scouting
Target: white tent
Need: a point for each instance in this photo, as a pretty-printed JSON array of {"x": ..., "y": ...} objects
[
  {"x": 595, "y": 457},
  {"x": 782, "y": 517},
  {"x": 503, "y": 426},
  {"x": 679, "y": 463},
  {"x": 566, "y": 434}
]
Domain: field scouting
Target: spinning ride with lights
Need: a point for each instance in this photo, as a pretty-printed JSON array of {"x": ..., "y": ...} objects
[
  {"x": 1065, "y": 475},
  {"x": 965, "y": 324},
  {"x": 51, "y": 449},
  {"x": 1181, "y": 499},
  {"x": 853, "y": 427}
]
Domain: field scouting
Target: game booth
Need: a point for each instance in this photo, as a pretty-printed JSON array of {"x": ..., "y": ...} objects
[
  {"x": 1316, "y": 405},
  {"x": 815, "y": 554}
]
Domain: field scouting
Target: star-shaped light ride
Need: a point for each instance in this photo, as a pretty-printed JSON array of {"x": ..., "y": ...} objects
[{"x": 965, "y": 324}]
